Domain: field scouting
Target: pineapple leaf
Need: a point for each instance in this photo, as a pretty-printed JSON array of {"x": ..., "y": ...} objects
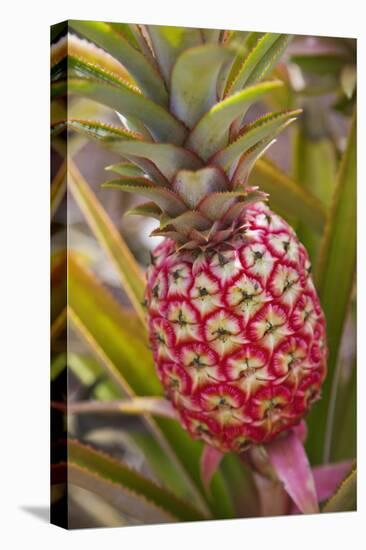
[
  {"x": 216, "y": 205},
  {"x": 287, "y": 196},
  {"x": 264, "y": 127},
  {"x": 211, "y": 131},
  {"x": 146, "y": 76},
  {"x": 101, "y": 320},
  {"x": 109, "y": 238},
  {"x": 128, "y": 101},
  {"x": 115, "y": 140},
  {"x": 186, "y": 223},
  {"x": 125, "y": 169},
  {"x": 157, "y": 406},
  {"x": 260, "y": 61},
  {"x": 99, "y": 131},
  {"x": 167, "y": 158},
  {"x": 335, "y": 278},
  {"x": 120, "y": 475},
  {"x": 124, "y": 501},
  {"x": 148, "y": 209},
  {"x": 163, "y": 197},
  {"x": 169, "y": 42},
  {"x": 344, "y": 499},
  {"x": 247, "y": 161},
  {"x": 194, "y": 81},
  {"x": 192, "y": 187}
]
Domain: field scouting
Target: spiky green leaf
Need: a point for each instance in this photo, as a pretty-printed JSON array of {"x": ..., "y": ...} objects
[
  {"x": 146, "y": 76},
  {"x": 260, "y": 61},
  {"x": 212, "y": 130},
  {"x": 130, "y": 102},
  {"x": 264, "y": 127},
  {"x": 194, "y": 81},
  {"x": 119, "y": 474},
  {"x": 163, "y": 197}
]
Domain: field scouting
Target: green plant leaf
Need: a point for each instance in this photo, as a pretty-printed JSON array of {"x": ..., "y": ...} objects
[
  {"x": 169, "y": 42},
  {"x": 148, "y": 209},
  {"x": 146, "y": 76},
  {"x": 211, "y": 131},
  {"x": 135, "y": 405},
  {"x": 260, "y": 61},
  {"x": 97, "y": 465},
  {"x": 130, "y": 103},
  {"x": 344, "y": 499},
  {"x": 111, "y": 240},
  {"x": 163, "y": 197},
  {"x": 125, "y": 169},
  {"x": 334, "y": 278},
  {"x": 287, "y": 196},
  {"x": 264, "y": 127},
  {"x": 315, "y": 170},
  {"x": 201, "y": 66},
  {"x": 104, "y": 323},
  {"x": 345, "y": 418}
]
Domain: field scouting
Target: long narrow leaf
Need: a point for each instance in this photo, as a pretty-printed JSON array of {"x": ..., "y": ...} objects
[
  {"x": 121, "y": 475},
  {"x": 129, "y": 102},
  {"x": 335, "y": 278},
  {"x": 210, "y": 132},
  {"x": 286, "y": 196},
  {"x": 344, "y": 500},
  {"x": 108, "y": 236}
]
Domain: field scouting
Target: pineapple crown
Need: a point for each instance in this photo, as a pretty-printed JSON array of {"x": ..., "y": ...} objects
[{"x": 182, "y": 95}]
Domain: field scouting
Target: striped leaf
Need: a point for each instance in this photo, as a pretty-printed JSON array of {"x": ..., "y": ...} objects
[
  {"x": 146, "y": 76},
  {"x": 89, "y": 460}
]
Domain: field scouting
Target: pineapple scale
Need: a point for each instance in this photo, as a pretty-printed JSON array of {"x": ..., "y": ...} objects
[{"x": 237, "y": 333}]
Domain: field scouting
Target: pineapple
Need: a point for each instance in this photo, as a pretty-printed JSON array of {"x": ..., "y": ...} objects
[{"x": 236, "y": 328}]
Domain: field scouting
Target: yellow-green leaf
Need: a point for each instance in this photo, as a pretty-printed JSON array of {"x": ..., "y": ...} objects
[
  {"x": 286, "y": 196},
  {"x": 345, "y": 498},
  {"x": 111, "y": 240}
]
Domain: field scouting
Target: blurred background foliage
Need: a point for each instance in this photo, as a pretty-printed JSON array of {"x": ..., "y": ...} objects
[{"x": 101, "y": 354}]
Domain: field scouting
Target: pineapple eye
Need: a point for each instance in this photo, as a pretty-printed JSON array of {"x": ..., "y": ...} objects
[
  {"x": 176, "y": 275},
  {"x": 202, "y": 291},
  {"x": 181, "y": 319},
  {"x": 258, "y": 255},
  {"x": 155, "y": 291},
  {"x": 286, "y": 245}
]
